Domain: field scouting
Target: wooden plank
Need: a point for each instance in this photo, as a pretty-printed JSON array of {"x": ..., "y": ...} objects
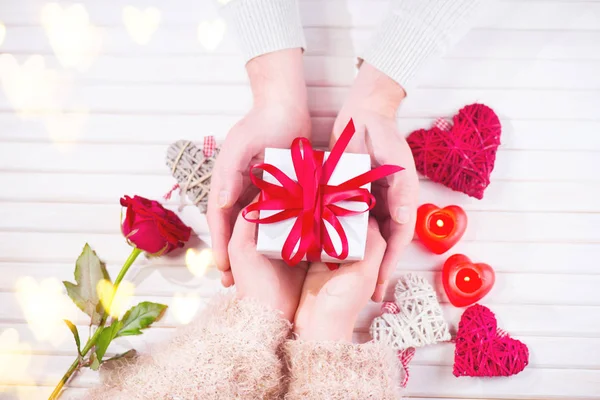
[
  {"x": 523, "y": 257},
  {"x": 510, "y": 288},
  {"x": 340, "y": 71},
  {"x": 524, "y": 134},
  {"x": 530, "y": 384},
  {"x": 577, "y": 353},
  {"x": 47, "y": 370},
  {"x": 327, "y": 101},
  {"x": 149, "y": 159},
  {"x": 38, "y": 392},
  {"x": 499, "y": 14},
  {"x": 482, "y": 42},
  {"x": 108, "y": 188},
  {"x": 519, "y": 319},
  {"x": 483, "y": 226}
]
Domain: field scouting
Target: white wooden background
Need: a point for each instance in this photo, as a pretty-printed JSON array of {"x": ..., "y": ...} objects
[{"x": 105, "y": 130}]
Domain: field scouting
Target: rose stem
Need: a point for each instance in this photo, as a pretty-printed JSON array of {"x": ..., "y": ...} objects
[{"x": 92, "y": 341}]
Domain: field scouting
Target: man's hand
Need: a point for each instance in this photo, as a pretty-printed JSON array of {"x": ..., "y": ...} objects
[
  {"x": 372, "y": 104},
  {"x": 280, "y": 113}
]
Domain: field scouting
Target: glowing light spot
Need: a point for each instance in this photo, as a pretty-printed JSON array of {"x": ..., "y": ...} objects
[
  {"x": 2, "y": 33},
  {"x": 439, "y": 223},
  {"x": 211, "y": 33},
  {"x": 121, "y": 300},
  {"x": 30, "y": 88},
  {"x": 141, "y": 25},
  {"x": 467, "y": 278},
  {"x": 198, "y": 262},
  {"x": 15, "y": 358},
  {"x": 75, "y": 41},
  {"x": 45, "y": 306},
  {"x": 185, "y": 307}
]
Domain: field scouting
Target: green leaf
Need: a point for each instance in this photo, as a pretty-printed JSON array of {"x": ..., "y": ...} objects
[
  {"x": 89, "y": 270},
  {"x": 140, "y": 317},
  {"x": 106, "y": 336},
  {"x": 127, "y": 355},
  {"x": 94, "y": 363},
  {"x": 73, "y": 329}
]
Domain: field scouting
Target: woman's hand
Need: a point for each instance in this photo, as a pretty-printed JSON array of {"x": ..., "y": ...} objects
[
  {"x": 280, "y": 113},
  {"x": 332, "y": 300},
  {"x": 271, "y": 282},
  {"x": 372, "y": 104}
]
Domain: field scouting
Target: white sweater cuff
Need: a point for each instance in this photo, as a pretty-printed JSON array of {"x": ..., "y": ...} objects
[
  {"x": 265, "y": 26},
  {"x": 416, "y": 31}
]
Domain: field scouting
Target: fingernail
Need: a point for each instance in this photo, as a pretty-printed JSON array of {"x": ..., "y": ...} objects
[
  {"x": 223, "y": 198},
  {"x": 381, "y": 287},
  {"x": 402, "y": 215}
]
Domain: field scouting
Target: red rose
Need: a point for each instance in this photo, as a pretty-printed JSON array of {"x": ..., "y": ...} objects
[{"x": 151, "y": 227}]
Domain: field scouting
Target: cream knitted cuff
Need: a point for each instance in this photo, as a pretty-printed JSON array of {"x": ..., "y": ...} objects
[
  {"x": 231, "y": 351},
  {"x": 416, "y": 31},
  {"x": 341, "y": 371},
  {"x": 264, "y": 26}
]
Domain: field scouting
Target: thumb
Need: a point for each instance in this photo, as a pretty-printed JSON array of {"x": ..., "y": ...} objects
[
  {"x": 225, "y": 189},
  {"x": 227, "y": 176}
]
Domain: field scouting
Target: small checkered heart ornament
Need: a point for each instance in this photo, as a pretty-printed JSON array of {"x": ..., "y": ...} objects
[
  {"x": 192, "y": 167},
  {"x": 418, "y": 321}
]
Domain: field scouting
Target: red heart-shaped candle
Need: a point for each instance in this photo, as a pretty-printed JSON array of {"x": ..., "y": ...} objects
[
  {"x": 440, "y": 228},
  {"x": 466, "y": 283}
]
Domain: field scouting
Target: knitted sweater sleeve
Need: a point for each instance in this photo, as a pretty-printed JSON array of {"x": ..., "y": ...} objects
[
  {"x": 264, "y": 26},
  {"x": 414, "y": 32},
  {"x": 231, "y": 351},
  {"x": 341, "y": 371}
]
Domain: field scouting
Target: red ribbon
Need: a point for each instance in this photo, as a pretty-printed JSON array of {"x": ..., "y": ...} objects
[{"x": 311, "y": 200}]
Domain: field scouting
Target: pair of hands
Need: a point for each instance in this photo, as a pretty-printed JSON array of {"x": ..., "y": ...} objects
[{"x": 313, "y": 297}]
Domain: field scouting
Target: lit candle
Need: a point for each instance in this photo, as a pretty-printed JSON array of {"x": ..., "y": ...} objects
[
  {"x": 441, "y": 224},
  {"x": 440, "y": 228},
  {"x": 466, "y": 282}
]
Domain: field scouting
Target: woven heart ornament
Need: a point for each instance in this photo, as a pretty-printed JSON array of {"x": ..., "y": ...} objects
[
  {"x": 192, "y": 167},
  {"x": 484, "y": 350},
  {"x": 461, "y": 155},
  {"x": 419, "y": 320}
]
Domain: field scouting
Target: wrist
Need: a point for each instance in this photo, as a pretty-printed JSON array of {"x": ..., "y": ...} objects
[
  {"x": 278, "y": 78},
  {"x": 375, "y": 91},
  {"x": 320, "y": 325},
  {"x": 324, "y": 333}
]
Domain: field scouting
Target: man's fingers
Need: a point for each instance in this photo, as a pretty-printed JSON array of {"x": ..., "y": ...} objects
[
  {"x": 402, "y": 197},
  {"x": 399, "y": 237},
  {"x": 376, "y": 244},
  {"x": 244, "y": 233},
  {"x": 227, "y": 278},
  {"x": 226, "y": 187}
]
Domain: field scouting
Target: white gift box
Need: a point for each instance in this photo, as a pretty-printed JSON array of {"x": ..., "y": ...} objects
[{"x": 271, "y": 237}]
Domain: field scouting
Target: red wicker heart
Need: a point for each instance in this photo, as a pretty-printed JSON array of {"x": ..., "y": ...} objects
[
  {"x": 459, "y": 156},
  {"x": 484, "y": 350}
]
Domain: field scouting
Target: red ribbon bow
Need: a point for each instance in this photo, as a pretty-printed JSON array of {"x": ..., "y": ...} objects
[{"x": 312, "y": 200}]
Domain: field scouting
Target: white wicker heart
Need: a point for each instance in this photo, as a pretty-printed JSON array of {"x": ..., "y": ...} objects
[
  {"x": 420, "y": 321},
  {"x": 192, "y": 167}
]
